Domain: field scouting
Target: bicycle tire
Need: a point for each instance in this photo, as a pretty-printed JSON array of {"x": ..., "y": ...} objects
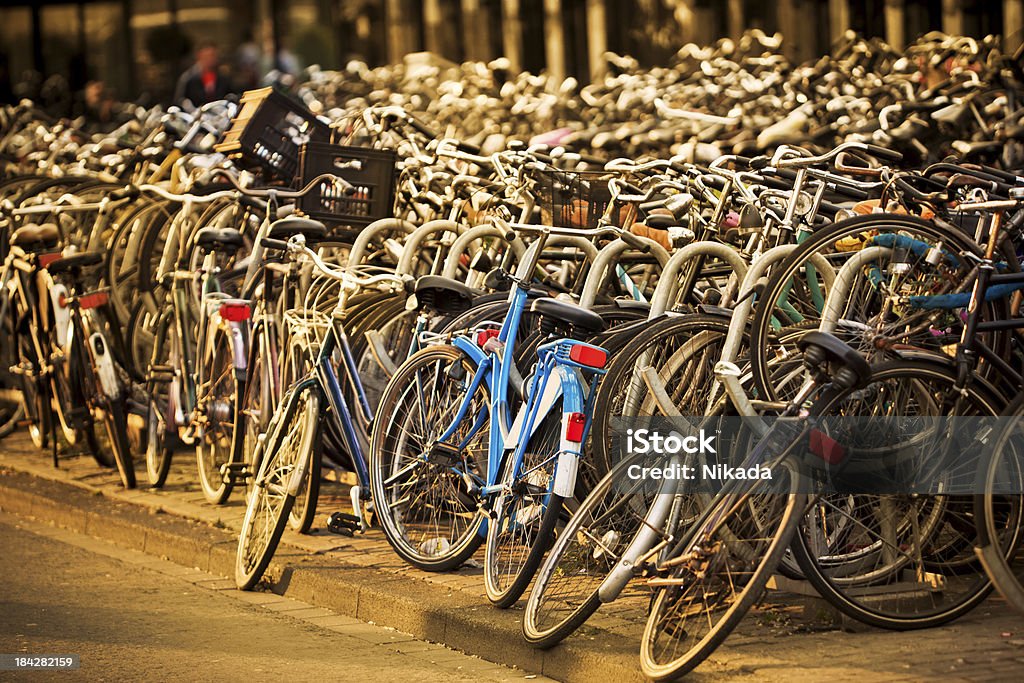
[
  {"x": 660, "y": 622},
  {"x": 518, "y": 528},
  {"x": 782, "y": 274},
  {"x": 217, "y": 394},
  {"x": 565, "y": 591},
  {"x": 420, "y": 541},
  {"x": 292, "y": 432},
  {"x": 851, "y": 593}
]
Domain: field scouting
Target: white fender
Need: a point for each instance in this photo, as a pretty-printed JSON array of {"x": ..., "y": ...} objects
[
  {"x": 61, "y": 315},
  {"x": 552, "y": 390},
  {"x": 104, "y": 365},
  {"x": 568, "y": 462}
]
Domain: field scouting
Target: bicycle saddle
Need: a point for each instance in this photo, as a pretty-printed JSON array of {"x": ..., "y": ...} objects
[
  {"x": 285, "y": 228},
  {"x": 568, "y": 313},
  {"x": 36, "y": 236},
  {"x": 851, "y": 370},
  {"x": 443, "y": 294},
  {"x": 83, "y": 260},
  {"x": 222, "y": 238}
]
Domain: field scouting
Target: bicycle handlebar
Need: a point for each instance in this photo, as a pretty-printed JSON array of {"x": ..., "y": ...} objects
[
  {"x": 284, "y": 194},
  {"x": 297, "y": 245},
  {"x": 780, "y": 160},
  {"x": 512, "y": 228}
]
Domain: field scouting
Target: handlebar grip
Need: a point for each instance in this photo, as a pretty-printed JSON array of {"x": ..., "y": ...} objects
[
  {"x": 680, "y": 167},
  {"x": 129, "y": 192},
  {"x": 854, "y": 193},
  {"x": 883, "y": 154},
  {"x": 276, "y": 245},
  {"x": 468, "y": 148}
]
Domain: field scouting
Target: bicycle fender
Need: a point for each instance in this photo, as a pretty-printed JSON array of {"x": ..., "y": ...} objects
[
  {"x": 569, "y": 452},
  {"x": 104, "y": 365},
  {"x": 61, "y": 316},
  {"x": 239, "y": 351}
]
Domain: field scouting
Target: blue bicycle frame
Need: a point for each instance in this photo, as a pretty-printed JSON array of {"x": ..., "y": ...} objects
[{"x": 556, "y": 375}]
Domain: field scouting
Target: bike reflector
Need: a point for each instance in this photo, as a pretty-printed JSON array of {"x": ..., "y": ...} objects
[
  {"x": 826, "y": 448},
  {"x": 45, "y": 260},
  {"x": 87, "y": 301},
  {"x": 482, "y": 336},
  {"x": 574, "y": 424},
  {"x": 590, "y": 356},
  {"x": 234, "y": 312}
]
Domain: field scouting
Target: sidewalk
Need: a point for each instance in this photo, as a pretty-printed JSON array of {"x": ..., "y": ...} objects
[{"x": 788, "y": 638}]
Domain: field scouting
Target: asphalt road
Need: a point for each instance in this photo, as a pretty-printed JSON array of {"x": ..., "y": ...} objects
[{"x": 131, "y": 623}]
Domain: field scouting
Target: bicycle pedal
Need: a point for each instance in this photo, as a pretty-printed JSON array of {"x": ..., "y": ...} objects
[
  {"x": 343, "y": 524},
  {"x": 235, "y": 473},
  {"x": 160, "y": 372}
]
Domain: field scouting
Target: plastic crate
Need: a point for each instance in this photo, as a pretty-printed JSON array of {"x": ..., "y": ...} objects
[
  {"x": 371, "y": 171},
  {"x": 572, "y": 199},
  {"x": 269, "y": 129}
]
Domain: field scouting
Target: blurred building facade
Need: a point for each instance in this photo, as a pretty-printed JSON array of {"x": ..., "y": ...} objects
[{"x": 141, "y": 45}]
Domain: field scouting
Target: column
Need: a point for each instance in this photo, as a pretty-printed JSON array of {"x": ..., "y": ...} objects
[
  {"x": 554, "y": 39},
  {"x": 1013, "y": 24},
  {"x": 597, "y": 36},
  {"x": 838, "y": 18},
  {"x": 895, "y": 22},
  {"x": 512, "y": 33}
]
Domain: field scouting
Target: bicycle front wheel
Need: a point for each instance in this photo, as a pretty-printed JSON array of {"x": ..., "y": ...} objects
[
  {"x": 424, "y": 490},
  {"x": 292, "y": 433},
  {"x": 565, "y": 592}
]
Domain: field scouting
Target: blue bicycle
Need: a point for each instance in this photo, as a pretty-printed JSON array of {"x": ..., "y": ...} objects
[{"x": 450, "y": 467}]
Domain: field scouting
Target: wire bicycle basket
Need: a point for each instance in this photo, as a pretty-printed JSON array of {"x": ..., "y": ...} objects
[{"x": 572, "y": 199}]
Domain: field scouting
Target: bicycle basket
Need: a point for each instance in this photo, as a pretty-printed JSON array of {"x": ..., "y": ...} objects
[
  {"x": 371, "y": 171},
  {"x": 572, "y": 199},
  {"x": 269, "y": 129}
]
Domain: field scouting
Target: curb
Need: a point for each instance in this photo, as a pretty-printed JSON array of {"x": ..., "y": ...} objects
[{"x": 415, "y": 607}]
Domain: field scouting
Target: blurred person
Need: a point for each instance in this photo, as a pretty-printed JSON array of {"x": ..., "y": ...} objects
[
  {"x": 248, "y": 63},
  {"x": 96, "y": 105},
  {"x": 204, "y": 81}
]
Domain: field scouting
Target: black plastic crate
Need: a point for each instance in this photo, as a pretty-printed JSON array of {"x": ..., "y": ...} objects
[
  {"x": 572, "y": 199},
  {"x": 371, "y": 171},
  {"x": 270, "y": 128}
]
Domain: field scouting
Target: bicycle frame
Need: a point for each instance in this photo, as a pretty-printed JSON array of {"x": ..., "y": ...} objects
[
  {"x": 552, "y": 379},
  {"x": 324, "y": 379}
]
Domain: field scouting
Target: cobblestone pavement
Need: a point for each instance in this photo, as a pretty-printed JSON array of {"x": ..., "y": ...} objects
[{"x": 789, "y": 637}]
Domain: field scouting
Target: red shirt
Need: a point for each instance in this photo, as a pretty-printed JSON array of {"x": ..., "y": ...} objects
[{"x": 209, "y": 81}]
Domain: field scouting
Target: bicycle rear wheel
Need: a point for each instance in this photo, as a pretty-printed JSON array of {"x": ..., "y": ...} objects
[
  {"x": 898, "y": 561},
  {"x": 107, "y": 407},
  {"x": 526, "y": 512},
  {"x": 217, "y": 394}
]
